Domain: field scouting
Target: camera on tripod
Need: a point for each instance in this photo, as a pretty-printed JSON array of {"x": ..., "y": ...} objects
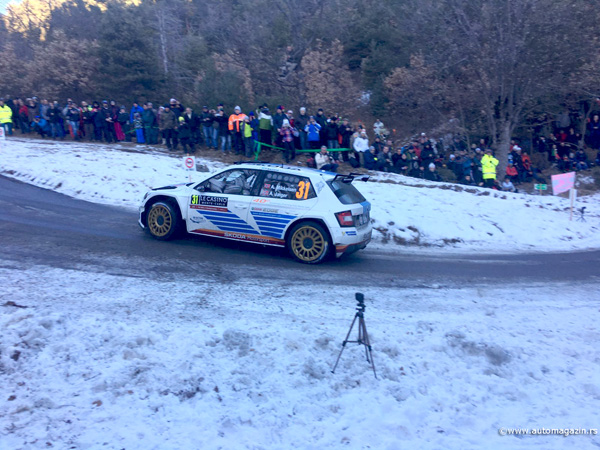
[
  {"x": 363, "y": 336},
  {"x": 360, "y": 302}
]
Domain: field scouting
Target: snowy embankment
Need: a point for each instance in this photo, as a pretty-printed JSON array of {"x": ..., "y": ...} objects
[
  {"x": 406, "y": 211},
  {"x": 90, "y": 361},
  {"x": 93, "y": 360}
]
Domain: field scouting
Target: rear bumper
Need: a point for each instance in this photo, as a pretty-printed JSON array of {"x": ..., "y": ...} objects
[{"x": 354, "y": 245}]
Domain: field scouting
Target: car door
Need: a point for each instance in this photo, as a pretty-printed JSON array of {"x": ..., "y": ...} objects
[
  {"x": 219, "y": 206},
  {"x": 280, "y": 199}
]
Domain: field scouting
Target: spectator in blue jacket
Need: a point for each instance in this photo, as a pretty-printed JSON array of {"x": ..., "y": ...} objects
[
  {"x": 41, "y": 126},
  {"x": 312, "y": 129},
  {"x": 135, "y": 109}
]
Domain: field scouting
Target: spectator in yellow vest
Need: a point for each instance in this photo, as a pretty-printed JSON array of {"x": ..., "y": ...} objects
[
  {"x": 5, "y": 117},
  {"x": 488, "y": 167}
]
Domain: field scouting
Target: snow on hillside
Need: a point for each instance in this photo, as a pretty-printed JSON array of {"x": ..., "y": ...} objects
[{"x": 406, "y": 211}]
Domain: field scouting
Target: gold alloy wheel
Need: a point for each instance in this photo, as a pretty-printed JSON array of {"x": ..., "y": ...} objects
[
  {"x": 308, "y": 243},
  {"x": 159, "y": 220}
]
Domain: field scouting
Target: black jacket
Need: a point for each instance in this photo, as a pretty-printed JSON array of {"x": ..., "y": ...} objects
[
  {"x": 184, "y": 131},
  {"x": 149, "y": 118},
  {"x": 101, "y": 116},
  {"x": 193, "y": 121},
  {"x": 54, "y": 114},
  {"x": 206, "y": 119},
  {"x": 223, "y": 122},
  {"x": 332, "y": 131}
]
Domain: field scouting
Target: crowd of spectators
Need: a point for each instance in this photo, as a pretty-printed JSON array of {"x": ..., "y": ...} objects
[{"x": 330, "y": 139}]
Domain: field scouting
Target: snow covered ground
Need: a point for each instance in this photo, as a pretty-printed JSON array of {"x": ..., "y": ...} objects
[
  {"x": 100, "y": 361},
  {"x": 406, "y": 211}
]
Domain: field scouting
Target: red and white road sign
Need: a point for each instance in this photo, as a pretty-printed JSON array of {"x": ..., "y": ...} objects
[{"x": 189, "y": 162}]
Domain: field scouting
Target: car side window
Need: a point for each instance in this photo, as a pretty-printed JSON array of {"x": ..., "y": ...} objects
[
  {"x": 236, "y": 181},
  {"x": 286, "y": 186}
]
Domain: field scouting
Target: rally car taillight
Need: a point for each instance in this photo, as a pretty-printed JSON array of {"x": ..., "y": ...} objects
[{"x": 345, "y": 219}]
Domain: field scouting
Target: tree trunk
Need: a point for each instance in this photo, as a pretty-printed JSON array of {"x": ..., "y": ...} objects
[
  {"x": 162, "y": 31},
  {"x": 503, "y": 149}
]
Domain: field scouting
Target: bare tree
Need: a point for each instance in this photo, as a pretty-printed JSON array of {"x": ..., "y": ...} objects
[{"x": 508, "y": 54}]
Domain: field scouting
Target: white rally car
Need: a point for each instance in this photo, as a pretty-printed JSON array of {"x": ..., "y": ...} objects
[{"x": 312, "y": 213}]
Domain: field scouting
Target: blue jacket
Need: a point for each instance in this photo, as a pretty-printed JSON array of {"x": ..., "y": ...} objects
[
  {"x": 43, "y": 123},
  {"x": 370, "y": 160},
  {"x": 135, "y": 109},
  {"x": 254, "y": 124},
  {"x": 313, "y": 131}
]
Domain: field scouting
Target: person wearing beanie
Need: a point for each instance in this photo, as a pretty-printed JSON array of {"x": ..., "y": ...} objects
[
  {"x": 41, "y": 126},
  {"x": 236, "y": 121},
  {"x": 184, "y": 130},
  {"x": 138, "y": 126},
  {"x": 431, "y": 173},
  {"x": 287, "y": 139},
  {"x": 278, "y": 119},
  {"x": 254, "y": 123}
]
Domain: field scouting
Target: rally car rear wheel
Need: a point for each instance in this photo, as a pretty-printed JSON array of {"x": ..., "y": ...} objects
[
  {"x": 308, "y": 242},
  {"x": 162, "y": 220}
]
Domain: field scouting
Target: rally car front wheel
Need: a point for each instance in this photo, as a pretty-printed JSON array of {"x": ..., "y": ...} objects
[
  {"x": 308, "y": 242},
  {"x": 162, "y": 221}
]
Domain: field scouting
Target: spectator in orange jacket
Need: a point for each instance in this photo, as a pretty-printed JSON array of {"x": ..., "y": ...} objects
[
  {"x": 512, "y": 173},
  {"x": 235, "y": 127}
]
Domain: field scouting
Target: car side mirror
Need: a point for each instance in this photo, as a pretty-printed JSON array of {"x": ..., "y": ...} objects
[{"x": 200, "y": 188}]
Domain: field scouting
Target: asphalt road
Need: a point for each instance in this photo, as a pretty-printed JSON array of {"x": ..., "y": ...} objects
[{"x": 42, "y": 228}]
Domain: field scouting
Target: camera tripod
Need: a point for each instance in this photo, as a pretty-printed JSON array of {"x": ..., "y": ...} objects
[
  {"x": 363, "y": 336},
  {"x": 581, "y": 217}
]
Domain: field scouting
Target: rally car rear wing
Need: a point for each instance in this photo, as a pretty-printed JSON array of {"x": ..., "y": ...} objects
[{"x": 349, "y": 178}]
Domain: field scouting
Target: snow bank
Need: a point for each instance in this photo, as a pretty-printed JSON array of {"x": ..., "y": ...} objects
[{"x": 406, "y": 212}]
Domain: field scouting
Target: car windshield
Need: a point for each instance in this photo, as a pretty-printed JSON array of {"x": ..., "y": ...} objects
[{"x": 345, "y": 192}]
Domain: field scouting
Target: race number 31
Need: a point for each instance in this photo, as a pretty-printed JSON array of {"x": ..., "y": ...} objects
[{"x": 303, "y": 188}]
